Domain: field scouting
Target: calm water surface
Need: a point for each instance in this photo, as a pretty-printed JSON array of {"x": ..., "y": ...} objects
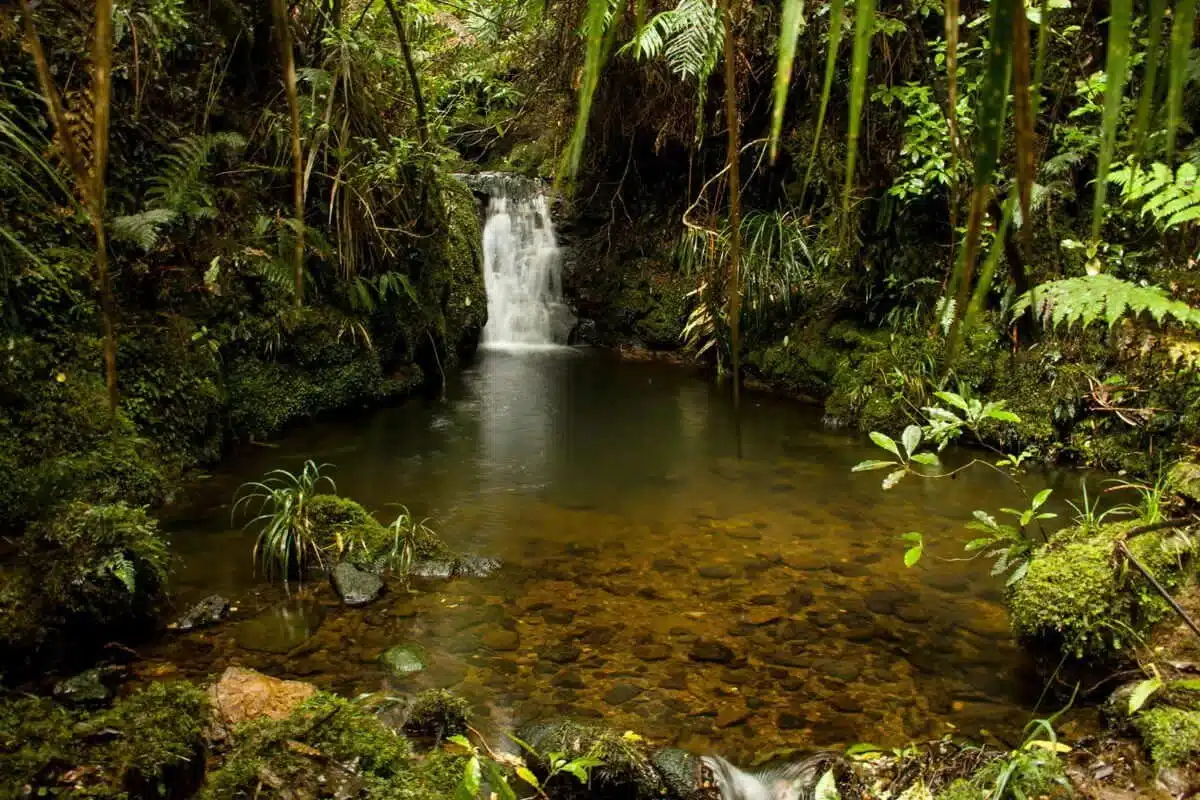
[{"x": 634, "y": 541}]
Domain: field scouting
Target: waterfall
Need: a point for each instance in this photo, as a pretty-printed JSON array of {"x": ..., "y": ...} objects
[{"x": 521, "y": 261}]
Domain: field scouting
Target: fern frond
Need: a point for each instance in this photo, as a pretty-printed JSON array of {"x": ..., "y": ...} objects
[
  {"x": 1092, "y": 297},
  {"x": 142, "y": 229},
  {"x": 1171, "y": 199}
]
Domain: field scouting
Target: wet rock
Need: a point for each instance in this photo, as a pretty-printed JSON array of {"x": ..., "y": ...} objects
[
  {"x": 885, "y": 601},
  {"x": 762, "y": 600},
  {"x": 433, "y": 568},
  {"x": 243, "y": 694},
  {"x": 502, "y": 640},
  {"x": 476, "y": 567},
  {"x": 823, "y": 619},
  {"x": 569, "y": 679},
  {"x": 730, "y": 716},
  {"x": 84, "y": 689},
  {"x": 280, "y": 629},
  {"x": 562, "y": 653},
  {"x": 717, "y": 572},
  {"x": 792, "y": 654},
  {"x": 622, "y": 693},
  {"x": 850, "y": 570},
  {"x": 681, "y": 773},
  {"x": 948, "y": 582},
  {"x": 666, "y": 565},
  {"x": 627, "y": 771},
  {"x": 652, "y": 652},
  {"x": 789, "y": 721},
  {"x": 403, "y": 660},
  {"x": 709, "y": 650},
  {"x": 676, "y": 681},
  {"x": 797, "y": 599},
  {"x": 558, "y": 616},
  {"x": 762, "y": 616},
  {"x": 846, "y": 704},
  {"x": 355, "y": 587},
  {"x": 845, "y": 669},
  {"x": 598, "y": 636},
  {"x": 208, "y": 611},
  {"x": 912, "y": 614}
]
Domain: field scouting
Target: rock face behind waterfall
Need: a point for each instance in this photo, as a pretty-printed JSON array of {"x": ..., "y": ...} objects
[{"x": 522, "y": 264}]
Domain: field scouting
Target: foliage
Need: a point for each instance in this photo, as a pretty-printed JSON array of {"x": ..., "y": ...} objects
[
  {"x": 438, "y": 713},
  {"x": 1172, "y": 735},
  {"x": 501, "y": 769},
  {"x": 688, "y": 37},
  {"x": 287, "y": 542},
  {"x": 1101, "y": 297},
  {"x": 1170, "y": 199}
]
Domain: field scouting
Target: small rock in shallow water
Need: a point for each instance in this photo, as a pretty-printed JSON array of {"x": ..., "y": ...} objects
[
  {"x": 84, "y": 689},
  {"x": 562, "y": 653},
  {"x": 558, "y": 616},
  {"x": 243, "y": 694},
  {"x": 208, "y": 611},
  {"x": 403, "y": 659},
  {"x": 436, "y": 568},
  {"x": 502, "y": 640},
  {"x": 476, "y": 566},
  {"x": 598, "y": 637},
  {"x": 716, "y": 572},
  {"x": 355, "y": 587},
  {"x": 729, "y": 716},
  {"x": 652, "y": 652},
  {"x": 711, "y": 651},
  {"x": 622, "y": 693}
]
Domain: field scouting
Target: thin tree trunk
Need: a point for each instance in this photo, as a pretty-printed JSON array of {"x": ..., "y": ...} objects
[
  {"x": 733, "y": 280},
  {"x": 418, "y": 98},
  {"x": 283, "y": 32},
  {"x": 89, "y": 183}
]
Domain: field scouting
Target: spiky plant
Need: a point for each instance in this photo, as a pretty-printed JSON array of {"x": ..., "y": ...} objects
[{"x": 286, "y": 544}]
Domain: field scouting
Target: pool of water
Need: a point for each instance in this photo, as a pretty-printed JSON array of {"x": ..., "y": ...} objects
[{"x": 652, "y": 576}]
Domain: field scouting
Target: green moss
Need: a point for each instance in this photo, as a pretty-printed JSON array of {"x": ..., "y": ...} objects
[
  {"x": 326, "y": 742},
  {"x": 1074, "y": 596},
  {"x": 1172, "y": 735},
  {"x": 961, "y": 789},
  {"x": 457, "y": 286},
  {"x": 625, "y": 766},
  {"x": 342, "y": 526},
  {"x": 437, "y": 712},
  {"x": 150, "y": 744}
]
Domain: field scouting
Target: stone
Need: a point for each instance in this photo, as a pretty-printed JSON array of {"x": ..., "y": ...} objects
[
  {"x": 243, "y": 694},
  {"x": 562, "y": 653},
  {"x": 709, "y": 650},
  {"x": 846, "y": 704},
  {"x": 569, "y": 679},
  {"x": 762, "y": 616},
  {"x": 622, "y": 693},
  {"x": 558, "y": 616},
  {"x": 728, "y": 716},
  {"x": 762, "y": 600},
  {"x": 850, "y": 570},
  {"x": 355, "y": 587},
  {"x": 476, "y": 567},
  {"x": 652, "y": 652},
  {"x": 912, "y": 614},
  {"x": 85, "y": 689},
  {"x": 797, "y": 599},
  {"x": 208, "y": 611},
  {"x": 676, "y": 681},
  {"x": 791, "y": 722},
  {"x": 433, "y": 568},
  {"x": 884, "y": 601},
  {"x": 842, "y": 669},
  {"x": 716, "y": 572},
  {"x": 403, "y": 660},
  {"x": 681, "y": 772},
  {"x": 598, "y": 636},
  {"x": 666, "y": 565},
  {"x": 502, "y": 640}
]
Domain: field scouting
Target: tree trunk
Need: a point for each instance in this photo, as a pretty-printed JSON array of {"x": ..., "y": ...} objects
[
  {"x": 733, "y": 278},
  {"x": 418, "y": 98},
  {"x": 284, "y": 35}
]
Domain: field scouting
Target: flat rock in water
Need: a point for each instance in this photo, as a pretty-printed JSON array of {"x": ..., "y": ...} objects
[
  {"x": 84, "y": 689},
  {"x": 502, "y": 640},
  {"x": 716, "y": 572},
  {"x": 403, "y": 659},
  {"x": 436, "y": 568},
  {"x": 622, "y": 693},
  {"x": 355, "y": 587},
  {"x": 243, "y": 694},
  {"x": 208, "y": 611},
  {"x": 652, "y": 652},
  {"x": 562, "y": 653},
  {"x": 476, "y": 566},
  {"x": 282, "y": 628},
  {"x": 729, "y": 716},
  {"x": 711, "y": 651},
  {"x": 680, "y": 771}
]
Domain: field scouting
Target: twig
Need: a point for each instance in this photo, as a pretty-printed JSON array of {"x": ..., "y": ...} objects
[
  {"x": 1166, "y": 524},
  {"x": 1159, "y": 588}
]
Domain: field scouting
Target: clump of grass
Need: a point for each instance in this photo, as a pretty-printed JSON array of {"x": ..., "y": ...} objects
[{"x": 287, "y": 543}]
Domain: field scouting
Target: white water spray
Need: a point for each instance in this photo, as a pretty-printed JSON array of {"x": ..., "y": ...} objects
[{"x": 521, "y": 267}]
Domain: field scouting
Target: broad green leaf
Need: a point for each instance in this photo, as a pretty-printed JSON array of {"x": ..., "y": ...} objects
[
  {"x": 1116, "y": 73},
  {"x": 915, "y": 537},
  {"x": 870, "y": 464},
  {"x": 1040, "y": 498},
  {"x": 928, "y": 459},
  {"x": 956, "y": 400},
  {"x": 1182, "y": 32},
  {"x": 826, "y": 788},
  {"x": 1003, "y": 415},
  {"x": 459, "y": 740},
  {"x": 524, "y": 774},
  {"x": 864, "y": 26},
  {"x": 468, "y": 787},
  {"x": 911, "y": 439},
  {"x": 835, "y": 38},
  {"x": 1141, "y": 693},
  {"x": 913, "y": 555},
  {"x": 893, "y": 478},
  {"x": 886, "y": 442},
  {"x": 1017, "y": 574},
  {"x": 978, "y": 544},
  {"x": 789, "y": 32},
  {"x": 498, "y": 782}
]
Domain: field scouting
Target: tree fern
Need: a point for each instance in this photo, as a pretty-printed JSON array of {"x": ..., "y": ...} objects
[
  {"x": 1172, "y": 199},
  {"x": 687, "y": 37},
  {"x": 1093, "y": 297},
  {"x": 142, "y": 229}
]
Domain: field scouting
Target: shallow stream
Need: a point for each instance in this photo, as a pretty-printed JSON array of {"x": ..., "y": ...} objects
[{"x": 651, "y": 576}]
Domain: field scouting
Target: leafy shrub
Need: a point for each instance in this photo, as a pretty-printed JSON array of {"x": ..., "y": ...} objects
[{"x": 288, "y": 541}]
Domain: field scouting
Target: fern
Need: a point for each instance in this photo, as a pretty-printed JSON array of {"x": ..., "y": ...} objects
[
  {"x": 181, "y": 185},
  {"x": 1172, "y": 199},
  {"x": 1092, "y": 297},
  {"x": 688, "y": 37},
  {"x": 120, "y": 567},
  {"x": 142, "y": 229}
]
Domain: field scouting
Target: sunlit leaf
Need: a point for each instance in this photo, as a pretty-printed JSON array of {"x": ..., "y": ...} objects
[
  {"x": 913, "y": 555},
  {"x": 498, "y": 782},
  {"x": 524, "y": 774},
  {"x": 1040, "y": 498},
  {"x": 826, "y": 788},
  {"x": 864, "y": 26},
  {"x": 885, "y": 441},
  {"x": 789, "y": 33},
  {"x": 893, "y": 478},
  {"x": 911, "y": 439},
  {"x": 1141, "y": 693},
  {"x": 928, "y": 459},
  {"x": 870, "y": 464},
  {"x": 472, "y": 777}
]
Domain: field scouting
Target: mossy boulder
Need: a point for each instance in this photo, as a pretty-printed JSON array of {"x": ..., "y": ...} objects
[
  {"x": 1184, "y": 479},
  {"x": 1078, "y": 596},
  {"x": 1171, "y": 735},
  {"x": 345, "y": 530},
  {"x": 626, "y": 770},
  {"x": 438, "y": 713},
  {"x": 403, "y": 660},
  {"x": 149, "y": 744}
]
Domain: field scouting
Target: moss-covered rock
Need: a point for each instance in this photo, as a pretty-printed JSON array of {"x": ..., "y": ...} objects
[
  {"x": 1076, "y": 596},
  {"x": 1171, "y": 735},
  {"x": 437, "y": 712},
  {"x": 149, "y": 744},
  {"x": 344, "y": 529}
]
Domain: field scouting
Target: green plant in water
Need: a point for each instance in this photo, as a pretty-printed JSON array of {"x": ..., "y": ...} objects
[
  {"x": 498, "y": 767},
  {"x": 280, "y": 501},
  {"x": 407, "y": 534}
]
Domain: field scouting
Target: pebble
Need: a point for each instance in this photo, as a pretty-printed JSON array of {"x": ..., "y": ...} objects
[
  {"x": 502, "y": 640},
  {"x": 622, "y": 693},
  {"x": 708, "y": 650},
  {"x": 716, "y": 572},
  {"x": 652, "y": 652}
]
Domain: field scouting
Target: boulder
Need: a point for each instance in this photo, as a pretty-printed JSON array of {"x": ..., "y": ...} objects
[
  {"x": 476, "y": 566},
  {"x": 355, "y": 587},
  {"x": 625, "y": 770},
  {"x": 403, "y": 660},
  {"x": 208, "y": 611},
  {"x": 243, "y": 694},
  {"x": 84, "y": 689},
  {"x": 683, "y": 774}
]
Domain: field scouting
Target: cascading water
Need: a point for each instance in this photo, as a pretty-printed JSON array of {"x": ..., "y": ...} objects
[{"x": 521, "y": 271}]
